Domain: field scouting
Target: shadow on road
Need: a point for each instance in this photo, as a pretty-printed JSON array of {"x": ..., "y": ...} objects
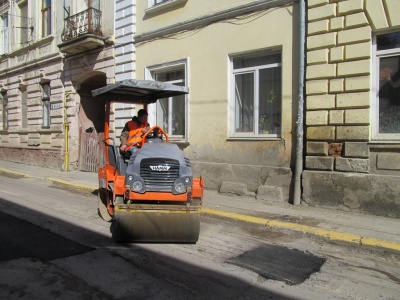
[{"x": 144, "y": 273}]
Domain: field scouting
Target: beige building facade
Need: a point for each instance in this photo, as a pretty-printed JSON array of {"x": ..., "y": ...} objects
[
  {"x": 53, "y": 54},
  {"x": 240, "y": 66},
  {"x": 353, "y": 105},
  {"x": 30, "y": 66}
]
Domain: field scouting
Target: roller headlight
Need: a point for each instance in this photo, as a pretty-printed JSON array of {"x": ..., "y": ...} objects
[
  {"x": 180, "y": 187},
  {"x": 137, "y": 186}
]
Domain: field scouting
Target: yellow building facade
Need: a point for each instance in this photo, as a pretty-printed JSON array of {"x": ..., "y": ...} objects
[{"x": 238, "y": 59}]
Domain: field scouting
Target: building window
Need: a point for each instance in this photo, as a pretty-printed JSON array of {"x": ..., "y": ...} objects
[
  {"x": 157, "y": 2},
  {"x": 46, "y": 105},
  {"x": 4, "y": 35},
  {"x": 46, "y": 18},
  {"x": 160, "y": 1},
  {"x": 387, "y": 107},
  {"x": 4, "y": 110},
  {"x": 256, "y": 104},
  {"x": 171, "y": 112},
  {"x": 154, "y": 6},
  {"x": 94, "y": 4},
  {"x": 24, "y": 25}
]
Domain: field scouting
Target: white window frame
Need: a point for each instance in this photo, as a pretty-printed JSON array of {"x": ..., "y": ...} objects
[
  {"x": 5, "y": 34},
  {"x": 377, "y": 55},
  {"x": 154, "y": 6},
  {"x": 150, "y": 73},
  {"x": 46, "y": 15},
  {"x": 232, "y": 99},
  {"x": 24, "y": 24}
]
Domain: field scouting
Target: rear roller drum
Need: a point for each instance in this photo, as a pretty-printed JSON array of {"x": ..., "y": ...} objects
[{"x": 156, "y": 226}]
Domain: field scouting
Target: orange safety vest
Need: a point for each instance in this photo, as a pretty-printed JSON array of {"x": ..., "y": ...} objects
[{"x": 135, "y": 134}]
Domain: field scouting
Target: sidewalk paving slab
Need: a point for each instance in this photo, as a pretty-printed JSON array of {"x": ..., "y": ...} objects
[{"x": 333, "y": 224}]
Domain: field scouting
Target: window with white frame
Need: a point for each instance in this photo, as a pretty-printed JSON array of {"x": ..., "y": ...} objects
[
  {"x": 4, "y": 34},
  {"x": 160, "y": 1},
  {"x": 171, "y": 112},
  {"x": 85, "y": 5},
  {"x": 159, "y": 5},
  {"x": 24, "y": 25},
  {"x": 4, "y": 110},
  {"x": 46, "y": 18},
  {"x": 387, "y": 106},
  {"x": 46, "y": 105},
  {"x": 256, "y": 95},
  {"x": 157, "y": 2},
  {"x": 94, "y": 4}
]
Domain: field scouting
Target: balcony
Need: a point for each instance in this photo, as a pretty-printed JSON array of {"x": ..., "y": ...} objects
[{"x": 82, "y": 32}]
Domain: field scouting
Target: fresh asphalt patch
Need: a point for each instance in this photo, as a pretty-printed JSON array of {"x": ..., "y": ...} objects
[
  {"x": 21, "y": 239},
  {"x": 279, "y": 263}
]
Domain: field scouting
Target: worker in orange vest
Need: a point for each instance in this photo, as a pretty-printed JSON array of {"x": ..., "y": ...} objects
[{"x": 131, "y": 135}]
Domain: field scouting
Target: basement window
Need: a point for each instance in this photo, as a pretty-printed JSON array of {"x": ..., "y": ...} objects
[{"x": 46, "y": 105}]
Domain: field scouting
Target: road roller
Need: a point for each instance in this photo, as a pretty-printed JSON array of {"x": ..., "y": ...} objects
[{"x": 151, "y": 195}]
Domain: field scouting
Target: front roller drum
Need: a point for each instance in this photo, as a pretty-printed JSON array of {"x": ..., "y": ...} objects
[{"x": 156, "y": 226}]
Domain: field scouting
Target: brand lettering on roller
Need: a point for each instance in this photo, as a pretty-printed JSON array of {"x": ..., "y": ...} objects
[{"x": 160, "y": 168}]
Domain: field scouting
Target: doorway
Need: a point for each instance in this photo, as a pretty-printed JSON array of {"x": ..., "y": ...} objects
[{"x": 91, "y": 125}]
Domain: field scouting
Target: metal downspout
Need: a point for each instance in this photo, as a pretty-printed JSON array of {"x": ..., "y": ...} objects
[
  {"x": 300, "y": 110},
  {"x": 66, "y": 132}
]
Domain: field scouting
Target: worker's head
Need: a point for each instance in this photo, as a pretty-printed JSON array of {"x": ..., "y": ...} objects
[{"x": 142, "y": 115}]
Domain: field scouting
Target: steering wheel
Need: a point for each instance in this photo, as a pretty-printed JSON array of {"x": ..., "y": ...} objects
[{"x": 155, "y": 132}]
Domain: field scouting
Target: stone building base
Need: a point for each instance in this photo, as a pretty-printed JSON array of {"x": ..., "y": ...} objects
[
  {"x": 49, "y": 158},
  {"x": 246, "y": 179},
  {"x": 374, "y": 194}
]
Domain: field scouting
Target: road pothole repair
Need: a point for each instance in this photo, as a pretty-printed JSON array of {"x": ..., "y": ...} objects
[{"x": 274, "y": 262}]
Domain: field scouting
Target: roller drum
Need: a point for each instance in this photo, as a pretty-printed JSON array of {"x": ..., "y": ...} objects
[{"x": 156, "y": 226}]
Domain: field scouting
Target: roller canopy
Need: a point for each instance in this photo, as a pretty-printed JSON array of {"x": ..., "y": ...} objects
[{"x": 139, "y": 91}]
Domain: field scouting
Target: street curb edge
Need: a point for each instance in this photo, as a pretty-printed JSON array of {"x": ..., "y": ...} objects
[{"x": 324, "y": 233}]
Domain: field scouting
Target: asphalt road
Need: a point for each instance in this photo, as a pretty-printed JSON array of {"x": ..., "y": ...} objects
[{"x": 55, "y": 246}]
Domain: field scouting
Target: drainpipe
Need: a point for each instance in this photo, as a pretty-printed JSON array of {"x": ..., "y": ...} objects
[
  {"x": 300, "y": 110},
  {"x": 66, "y": 132}
]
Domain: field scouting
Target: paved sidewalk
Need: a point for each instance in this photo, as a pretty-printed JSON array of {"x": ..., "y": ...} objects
[{"x": 349, "y": 227}]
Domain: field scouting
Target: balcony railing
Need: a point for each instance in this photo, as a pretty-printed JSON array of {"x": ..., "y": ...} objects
[{"x": 85, "y": 22}]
